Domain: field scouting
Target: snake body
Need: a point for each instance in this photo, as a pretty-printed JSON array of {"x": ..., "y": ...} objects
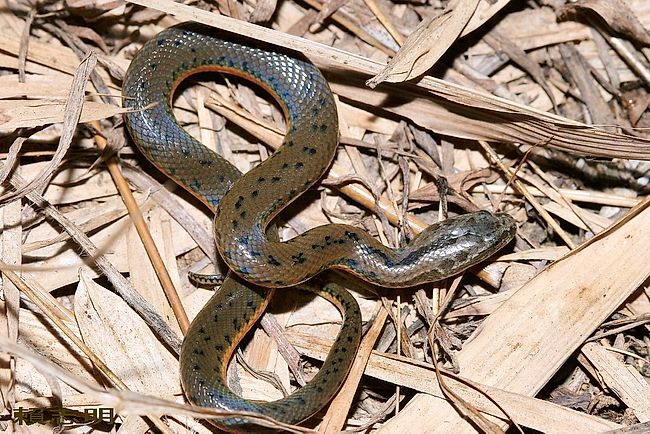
[{"x": 244, "y": 207}]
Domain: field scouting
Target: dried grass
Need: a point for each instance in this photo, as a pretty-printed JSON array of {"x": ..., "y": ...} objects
[{"x": 552, "y": 335}]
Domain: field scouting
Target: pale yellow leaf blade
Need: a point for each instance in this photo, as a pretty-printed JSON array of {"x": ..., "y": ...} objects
[
  {"x": 29, "y": 114},
  {"x": 123, "y": 340}
]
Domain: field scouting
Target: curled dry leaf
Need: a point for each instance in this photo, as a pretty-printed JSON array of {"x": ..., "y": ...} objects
[
  {"x": 461, "y": 181},
  {"x": 426, "y": 45},
  {"x": 93, "y": 9},
  {"x": 458, "y": 182},
  {"x": 616, "y": 13}
]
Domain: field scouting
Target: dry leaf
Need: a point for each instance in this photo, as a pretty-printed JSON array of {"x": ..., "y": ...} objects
[
  {"x": 625, "y": 381},
  {"x": 428, "y": 42},
  {"x": 616, "y": 13},
  {"x": 28, "y": 114},
  {"x": 123, "y": 341},
  {"x": 263, "y": 11}
]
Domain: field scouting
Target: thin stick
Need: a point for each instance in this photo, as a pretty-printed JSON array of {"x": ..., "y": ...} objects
[
  {"x": 145, "y": 235},
  {"x": 385, "y": 21}
]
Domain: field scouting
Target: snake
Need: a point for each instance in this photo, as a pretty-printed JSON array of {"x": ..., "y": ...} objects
[{"x": 246, "y": 205}]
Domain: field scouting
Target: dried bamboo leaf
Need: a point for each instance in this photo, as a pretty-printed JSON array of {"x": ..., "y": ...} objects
[
  {"x": 37, "y": 332},
  {"x": 263, "y": 11},
  {"x": 468, "y": 117},
  {"x": 428, "y": 42},
  {"x": 485, "y": 11},
  {"x": 625, "y": 381},
  {"x": 29, "y": 113},
  {"x": 51, "y": 86},
  {"x": 113, "y": 330},
  {"x": 432, "y": 38}
]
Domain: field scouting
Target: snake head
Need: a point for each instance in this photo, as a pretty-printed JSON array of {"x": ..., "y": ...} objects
[{"x": 453, "y": 245}]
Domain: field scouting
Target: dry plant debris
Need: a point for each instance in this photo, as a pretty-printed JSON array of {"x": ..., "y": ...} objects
[{"x": 538, "y": 109}]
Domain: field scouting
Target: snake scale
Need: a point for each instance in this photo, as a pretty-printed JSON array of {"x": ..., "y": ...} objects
[{"x": 245, "y": 205}]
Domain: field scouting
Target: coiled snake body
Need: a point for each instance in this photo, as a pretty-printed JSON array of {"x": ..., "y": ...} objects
[{"x": 244, "y": 207}]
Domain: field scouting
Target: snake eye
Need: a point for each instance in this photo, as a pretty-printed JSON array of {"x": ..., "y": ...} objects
[{"x": 458, "y": 231}]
